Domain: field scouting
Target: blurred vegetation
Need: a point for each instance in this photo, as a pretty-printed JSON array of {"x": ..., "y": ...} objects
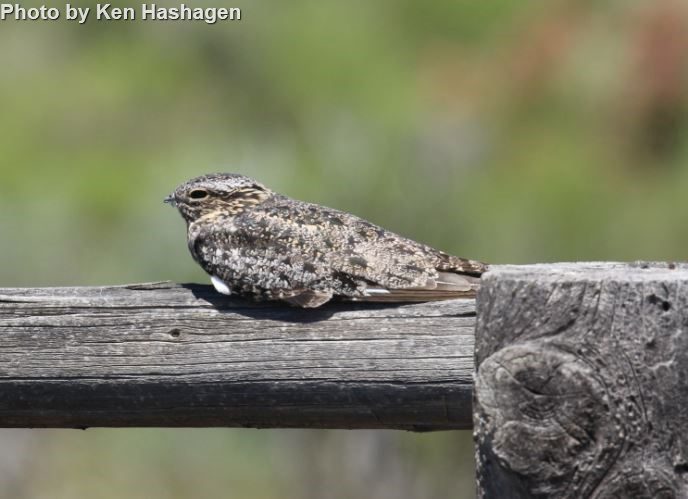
[{"x": 506, "y": 131}]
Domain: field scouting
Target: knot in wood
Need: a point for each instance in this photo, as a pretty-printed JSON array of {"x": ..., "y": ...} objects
[{"x": 544, "y": 400}]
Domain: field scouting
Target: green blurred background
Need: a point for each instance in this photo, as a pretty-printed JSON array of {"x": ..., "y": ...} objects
[{"x": 506, "y": 131}]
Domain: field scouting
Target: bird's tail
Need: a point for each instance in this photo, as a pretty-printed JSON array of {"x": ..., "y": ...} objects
[
  {"x": 454, "y": 264},
  {"x": 447, "y": 286}
]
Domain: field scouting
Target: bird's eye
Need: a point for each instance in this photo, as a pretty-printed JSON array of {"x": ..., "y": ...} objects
[{"x": 198, "y": 194}]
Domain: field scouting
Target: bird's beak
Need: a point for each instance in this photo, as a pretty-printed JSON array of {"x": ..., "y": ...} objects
[{"x": 170, "y": 200}]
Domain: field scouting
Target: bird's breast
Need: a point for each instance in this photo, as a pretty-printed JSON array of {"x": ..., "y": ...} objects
[{"x": 210, "y": 232}]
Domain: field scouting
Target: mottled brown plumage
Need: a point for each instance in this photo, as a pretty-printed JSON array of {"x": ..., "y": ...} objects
[{"x": 256, "y": 243}]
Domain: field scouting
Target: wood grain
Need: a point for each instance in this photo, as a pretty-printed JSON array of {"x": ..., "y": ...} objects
[
  {"x": 181, "y": 355},
  {"x": 582, "y": 381}
]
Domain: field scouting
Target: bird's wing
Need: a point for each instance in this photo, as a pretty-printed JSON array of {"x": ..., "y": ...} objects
[
  {"x": 399, "y": 269},
  {"x": 386, "y": 266}
]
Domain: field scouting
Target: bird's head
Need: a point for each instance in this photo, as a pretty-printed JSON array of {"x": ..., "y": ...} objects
[{"x": 226, "y": 194}]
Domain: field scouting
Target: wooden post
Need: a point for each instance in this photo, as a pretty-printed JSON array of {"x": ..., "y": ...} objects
[
  {"x": 582, "y": 381},
  {"x": 170, "y": 355}
]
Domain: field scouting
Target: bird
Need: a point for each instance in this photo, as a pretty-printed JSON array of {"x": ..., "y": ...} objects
[{"x": 256, "y": 243}]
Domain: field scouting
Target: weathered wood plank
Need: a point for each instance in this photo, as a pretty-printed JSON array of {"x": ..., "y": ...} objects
[
  {"x": 582, "y": 381},
  {"x": 170, "y": 355}
]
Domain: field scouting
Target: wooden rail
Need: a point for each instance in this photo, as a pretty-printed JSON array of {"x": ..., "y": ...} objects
[
  {"x": 182, "y": 355},
  {"x": 581, "y": 377}
]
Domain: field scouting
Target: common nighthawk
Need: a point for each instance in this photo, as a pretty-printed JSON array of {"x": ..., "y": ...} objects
[{"x": 260, "y": 244}]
